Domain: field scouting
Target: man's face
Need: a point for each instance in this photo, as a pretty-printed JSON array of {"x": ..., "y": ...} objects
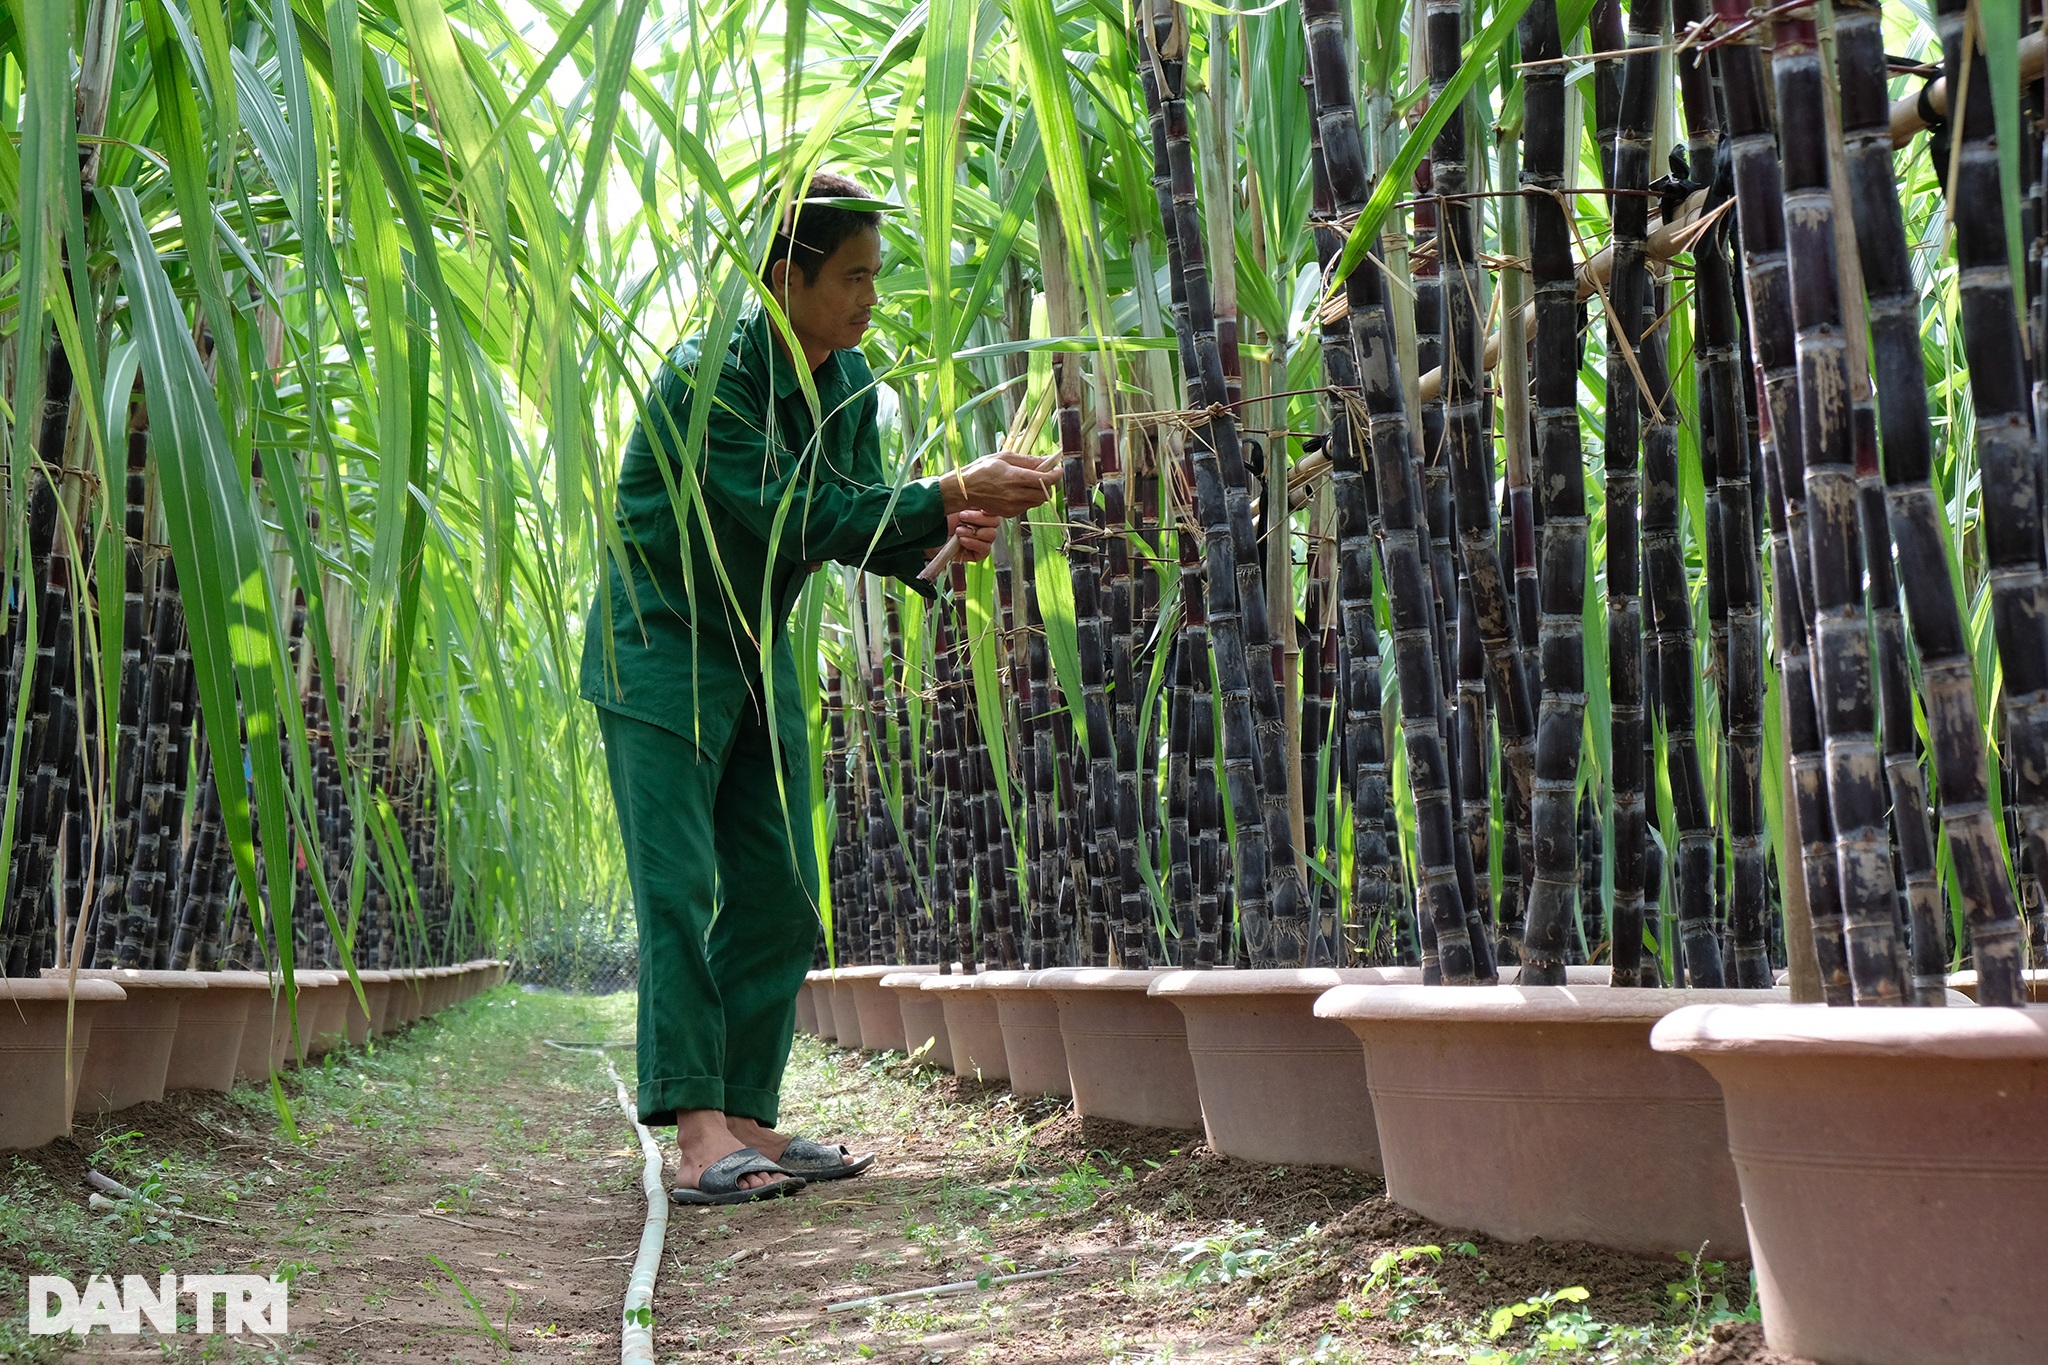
[{"x": 834, "y": 313}]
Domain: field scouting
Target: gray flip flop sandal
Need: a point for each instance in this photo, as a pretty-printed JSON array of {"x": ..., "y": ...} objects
[
  {"x": 816, "y": 1161},
  {"x": 720, "y": 1182}
]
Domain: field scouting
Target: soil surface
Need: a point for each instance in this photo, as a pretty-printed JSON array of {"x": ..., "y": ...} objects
[{"x": 468, "y": 1193}]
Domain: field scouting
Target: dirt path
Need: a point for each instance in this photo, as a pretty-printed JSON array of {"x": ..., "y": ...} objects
[
  {"x": 468, "y": 1194},
  {"x": 462, "y": 1194},
  {"x": 1165, "y": 1251}
]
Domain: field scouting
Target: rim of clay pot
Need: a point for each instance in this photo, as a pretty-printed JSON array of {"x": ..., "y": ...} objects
[
  {"x": 1276, "y": 980},
  {"x": 960, "y": 981},
  {"x": 45, "y": 988},
  {"x": 871, "y": 973},
  {"x": 818, "y": 974},
  {"x": 1014, "y": 980},
  {"x": 1802, "y": 1030},
  {"x": 373, "y": 976},
  {"x": 240, "y": 980},
  {"x": 909, "y": 979},
  {"x": 1527, "y": 1004},
  {"x": 132, "y": 976},
  {"x": 1099, "y": 978},
  {"x": 313, "y": 981}
]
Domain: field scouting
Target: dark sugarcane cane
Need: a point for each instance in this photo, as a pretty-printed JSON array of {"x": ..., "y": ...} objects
[
  {"x": 1768, "y": 314},
  {"x": 1178, "y": 780},
  {"x": 1072, "y": 911},
  {"x": 913, "y": 910},
  {"x": 1725, "y": 446},
  {"x": 1426, "y": 280},
  {"x": 1015, "y": 690},
  {"x": 1180, "y": 852},
  {"x": 1634, "y": 108},
  {"x": 1468, "y": 446},
  {"x": 2011, "y": 496},
  {"x": 183, "y": 714},
  {"x": 1044, "y": 786},
  {"x": 1459, "y": 959},
  {"x": 1556, "y": 839},
  {"x": 1858, "y": 794},
  {"x": 1271, "y": 905},
  {"x": 1205, "y": 794},
  {"x": 954, "y": 685},
  {"x": 1134, "y": 901},
  {"x": 1670, "y": 617},
  {"x": 47, "y": 788},
  {"x": 1608, "y": 36},
  {"x": 1096, "y": 820},
  {"x": 1324, "y": 757},
  {"x": 1948, "y": 691},
  {"x": 1592, "y": 870},
  {"x": 836, "y": 859},
  {"x": 886, "y": 940},
  {"x": 1373, "y": 891},
  {"x": 1470, "y": 752}
]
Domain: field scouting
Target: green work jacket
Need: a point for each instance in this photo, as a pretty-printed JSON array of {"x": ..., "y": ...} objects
[{"x": 689, "y": 659}]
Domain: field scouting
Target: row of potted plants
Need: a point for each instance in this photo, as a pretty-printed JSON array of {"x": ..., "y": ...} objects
[
  {"x": 1887, "y": 1170},
  {"x": 90, "y": 1042}
]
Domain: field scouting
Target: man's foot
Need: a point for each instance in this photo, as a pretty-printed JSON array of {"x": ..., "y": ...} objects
[
  {"x": 703, "y": 1139},
  {"x": 799, "y": 1155},
  {"x": 747, "y": 1133}
]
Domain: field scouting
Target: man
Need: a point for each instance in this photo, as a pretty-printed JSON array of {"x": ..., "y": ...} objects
[{"x": 706, "y": 745}]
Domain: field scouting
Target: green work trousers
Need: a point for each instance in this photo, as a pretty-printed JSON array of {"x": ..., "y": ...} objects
[{"x": 725, "y": 889}]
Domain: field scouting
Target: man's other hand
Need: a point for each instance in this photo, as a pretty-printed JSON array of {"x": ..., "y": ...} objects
[
  {"x": 1004, "y": 484},
  {"x": 975, "y": 530}
]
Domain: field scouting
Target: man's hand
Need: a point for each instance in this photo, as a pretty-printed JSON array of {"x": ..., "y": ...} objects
[
  {"x": 1004, "y": 484},
  {"x": 975, "y": 530}
]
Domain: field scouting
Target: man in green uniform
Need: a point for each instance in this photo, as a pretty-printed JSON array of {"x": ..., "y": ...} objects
[{"x": 706, "y": 744}]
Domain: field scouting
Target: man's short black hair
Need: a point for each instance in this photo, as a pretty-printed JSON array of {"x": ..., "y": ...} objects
[{"x": 812, "y": 231}]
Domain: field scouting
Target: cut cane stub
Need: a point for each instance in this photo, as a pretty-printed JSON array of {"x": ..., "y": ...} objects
[
  {"x": 1591, "y": 1135},
  {"x": 1894, "y": 1169}
]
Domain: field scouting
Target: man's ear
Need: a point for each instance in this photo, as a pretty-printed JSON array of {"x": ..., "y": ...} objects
[{"x": 778, "y": 280}]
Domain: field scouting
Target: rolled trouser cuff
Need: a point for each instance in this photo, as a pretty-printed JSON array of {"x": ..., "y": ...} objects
[
  {"x": 746, "y": 1102},
  {"x": 659, "y": 1100}
]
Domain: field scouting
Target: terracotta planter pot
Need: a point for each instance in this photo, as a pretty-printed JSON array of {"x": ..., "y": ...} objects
[
  {"x": 881, "y": 1022},
  {"x": 412, "y": 1000},
  {"x": 819, "y": 986},
  {"x": 210, "y": 1028},
  {"x": 974, "y": 1034},
  {"x": 1965, "y": 984},
  {"x": 1279, "y": 1086},
  {"x": 323, "y": 1015},
  {"x": 362, "y": 1016},
  {"x": 1127, "y": 1053},
  {"x": 1032, "y": 1043},
  {"x": 806, "y": 1010},
  {"x": 846, "y": 1008},
  {"x": 136, "y": 1036},
  {"x": 924, "y": 1018},
  {"x": 1541, "y": 1111},
  {"x": 1894, "y": 1167},
  {"x": 36, "y": 1088}
]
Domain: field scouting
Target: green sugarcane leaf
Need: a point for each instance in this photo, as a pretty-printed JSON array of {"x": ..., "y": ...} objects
[
  {"x": 1394, "y": 179},
  {"x": 237, "y": 657}
]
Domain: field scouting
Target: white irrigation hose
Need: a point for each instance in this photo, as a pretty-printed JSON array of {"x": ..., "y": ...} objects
[{"x": 636, "y": 1324}]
